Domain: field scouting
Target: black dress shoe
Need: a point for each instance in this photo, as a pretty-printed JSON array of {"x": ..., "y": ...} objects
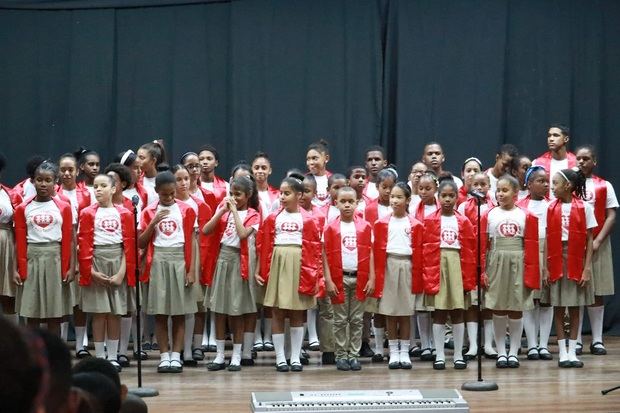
[
  {"x": 190, "y": 363},
  {"x": 234, "y": 367},
  {"x": 328, "y": 357},
  {"x": 296, "y": 367},
  {"x": 502, "y": 362},
  {"x": 544, "y": 354},
  {"x": 577, "y": 364},
  {"x": 427, "y": 355},
  {"x": 513, "y": 362},
  {"x": 216, "y": 366},
  {"x": 365, "y": 350},
  {"x": 579, "y": 349},
  {"x": 565, "y": 364},
  {"x": 439, "y": 365},
  {"x": 395, "y": 365},
  {"x": 355, "y": 365},
  {"x": 460, "y": 364},
  {"x": 532, "y": 354},
  {"x": 598, "y": 349},
  {"x": 282, "y": 368},
  {"x": 377, "y": 358},
  {"x": 123, "y": 360}
]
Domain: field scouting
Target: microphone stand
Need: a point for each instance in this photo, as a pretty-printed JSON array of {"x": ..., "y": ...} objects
[
  {"x": 480, "y": 384},
  {"x": 139, "y": 391}
]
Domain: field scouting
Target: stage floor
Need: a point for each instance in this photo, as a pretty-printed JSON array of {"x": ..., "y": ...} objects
[{"x": 536, "y": 386}]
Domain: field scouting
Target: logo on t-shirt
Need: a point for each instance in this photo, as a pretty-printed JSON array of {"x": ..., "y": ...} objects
[
  {"x": 322, "y": 196},
  {"x": 509, "y": 229},
  {"x": 349, "y": 242},
  {"x": 565, "y": 220},
  {"x": 109, "y": 224},
  {"x": 289, "y": 227},
  {"x": 230, "y": 228},
  {"x": 589, "y": 196},
  {"x": 449, "y": 236},
  {"x": 167, "y": 227},
  {"x": 43, "y": 220}
]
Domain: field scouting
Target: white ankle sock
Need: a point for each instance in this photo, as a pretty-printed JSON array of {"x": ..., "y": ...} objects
[
  {"x": 529, "y": 325},
  {"x": 235, "y": 360},
  {"x": 546, "y": 321},
  {"x": 516, "y": 331},
  {"x": 100, "y": 350},
  {"x": 297, "y": 338},
  {"x": 278, "y": 346},
  {"x": 188, "y": 338},
  {"x": 499, "y": 328},
  {"x": 489, "y": 336},
  {"x": 220, "y": 346},
  {"x": 579, "y": 339},
  {"x": 425, "y": 329},
  {"x": 458, "y": 331},
  {"x": 596, "y": 315},
  {"x": 175, "y": 356},
  {"x": 472, "y": 337},
  {"x": 312, "y": 334},
  {"x": 248, "y": 341},
  {"x": 164, "y": 356},
  {"x": 404, "y": 351},
  {"x": 112, "y": 346},
  {"x": 379, "y": 336},
  {"x": 562, "y": 347},
  {"x": 572, "y": 346},
  {"x": 123, "y": 342},
  {"x": 79, "y": 338},
  {"x": 439, "y": 331},
  {"x": 394, "y": 353},
  {"x": 257, "y": 332},
  {"x": 267, "y": 330}
]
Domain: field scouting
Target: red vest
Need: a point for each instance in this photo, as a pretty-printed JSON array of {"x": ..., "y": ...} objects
[
  {"x": 419, "y": 212},
  {"x": 470, "y": 210},
  {"x": 365, "y": 192},
  {"x": 86, "y": 247},
  {"x": 432, "y": 252},
  {"x": 144, "y": 196},
  {"x": 273, "y": 194},
  {"x": 462, "y": 195},
  {"x": 531, "y": 259},
  {"x": 544, "y": 160},
  {"x": 380, "y": 254},
  {"x": 21, "y": 233},
  {"x": 333, "y": 253},
  {"x": 577, "y": 240},
  {"x": 310, "y": 250},
  {"x": 204, "y": 241},
  {"x": 219, "y": 191},
  {"x": 600, "y": 203},
  {"x": 14, "y": 196},
  {"x": 19, "y": 187},
  {"x": 189, "y": 217},
  {"x": 82, "y": 193},
  {"x": 252, "y": 218},
  {"x": 371, "y": 212}
]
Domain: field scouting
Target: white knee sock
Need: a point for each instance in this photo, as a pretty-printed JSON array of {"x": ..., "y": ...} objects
[
  {"x": 248, "y": 341},
  {"x": 297, "y": 338},
  {"x": 458, "y": 331},
  {"x": 220, "y": 345},
  {"x": 312, "y": 333},
  {"x": 596, "y": 315},
  {"x": 79, "y": 338},
  {"x": 394, "y": 353},
  {"x": 529, "y": 324},
  {"x": 403, "y": 354},
  {"x": 188, "y": 337},
  {"x": 123, "y": 342},
  {"x": 579, "y": 339},
  {"x": 499, "y": 328},
  {"x": 546, "y": 321},
  {"x": 516, "y": 331},
  {"x": 64, "y": 330},
  {"x": 235, "y": 360},
  {"x": 212, "y": 338},
  {"x": 439, "y": 331},
  {"x": 379, "y": 335},
  {"x": 278, "y": 346},
  {"x": 257, "y": 332},
  {"x": 267, "y": 330},
  {"x": 562, "y": 347},
  {"x": 572, "y": 346},
  {"x": 100, "y": 349},
  {"x": 489, "y": 336},
  {"x": 112, "y": 346},
  {"x": 424, "y": 329},
  {"x": 472, "y": 337},
  {"x": 85, "y": 339}
]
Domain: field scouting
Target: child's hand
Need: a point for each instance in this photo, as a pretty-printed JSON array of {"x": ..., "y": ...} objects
[
  {"x": 259, "y": 279},
  {"x": 69, "y": 276},
  {"x": 116, "y": 280},
  {"x": 586, "y": 275},
  {"x": 231, "y": 204},
  {"x": 189, "y": 279},
  {"x": 596, "y": 245},
  {"x": 369, "y": 289},
  {"x": 161, "y": 214},
  {"x": 99, "y": 278},
  {"x": 545, "y": 277},
  {"x": 331, "y": 288},
  {"x": 17, "y": 279},
  {"x": 485, "y": 281}
]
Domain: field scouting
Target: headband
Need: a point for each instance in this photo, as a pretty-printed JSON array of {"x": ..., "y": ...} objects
[
  {"x": 126, "y": 155},
  {"x": 186, "y": 154},
  {"x": 393, "y": 171},
  {"x": 531, "y": 170},
  {"x": 473, "y": 159},
  {"x": 564, "y": 175}
]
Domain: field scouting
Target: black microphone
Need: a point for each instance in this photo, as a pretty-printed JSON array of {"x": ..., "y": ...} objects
[
  {"x": 477, "y": 194},
  {"x": 135, "y": 200}
]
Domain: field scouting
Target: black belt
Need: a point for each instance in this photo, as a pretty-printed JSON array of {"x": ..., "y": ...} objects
[{"x": 350, "y": 273}]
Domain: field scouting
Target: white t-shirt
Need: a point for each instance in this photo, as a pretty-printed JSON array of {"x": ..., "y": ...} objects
[
  {"x": 149, "y": 186},
  {"x": 230, "y": 237},
  {"x": 43, "y": 222},
  {"x": 371, "y": 190},
  {"x": 91, "y": 190},
  {"x": 539, "y": 208},
  {"x": 289, "y": 228},
  {"x": 348, "y": 237},
  {"x": 399, "y": 236},
  {"x": 322, "y": 197},
  {"x": 6, "y": 208},
  {"x": 198, "y": 194},
  {"x": 610, "y": 202},
  {"x": 190, "y": 202},
  {"x": 169, "y": 231},
  {"x": 429, "y": 209},
  {"x": 209, "y": 186},
  {"x": 483, "y": 208},
  {"x": 29, "y": 189},
  {"x": 266, "y": 202},
  {"x": 449, "y": 234},
  {"x": 108, "y": 229},
  {"x": 129, "y": 194},
  {"x": 332, "y": 214},
  {"x": 492, "y": 184},
  {"x": 556, "y": 166},
  {"x": 383, "y": 211},
  {"x": 590, "y": 219},
  {"x": 506, "y": 224},
  {"x": 72, "y": 196},
  {"x": 414, "y": 202}
]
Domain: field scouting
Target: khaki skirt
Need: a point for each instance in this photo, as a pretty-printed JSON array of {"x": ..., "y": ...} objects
[
  {"x": 282, "y": 289},
  {"x": 258, "y": 291},
  {"x": 231, "y": 294},
  {"x": 603, "y": 270},
  {"x": 397, "y": 299},
  {"x": 167, "y": 293},
  {"x": 568, "y": 293},
  {"x": 198, "y": 290},
  {"x": 506, "y": 290},
  {"x": 44, "y": 294},
  {"x": 451, "y": 295},
  {"x": 106, "y": 299},
  {"x": 8, "y": 265}
]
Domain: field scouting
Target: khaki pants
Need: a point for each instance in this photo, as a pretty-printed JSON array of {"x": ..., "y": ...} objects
[
  {"x": 348, "y": 322},
  {"x": 326, "y": 325}
]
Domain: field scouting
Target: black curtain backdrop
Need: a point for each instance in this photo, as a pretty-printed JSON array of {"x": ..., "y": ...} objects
[{"x": 276, "y": 75}]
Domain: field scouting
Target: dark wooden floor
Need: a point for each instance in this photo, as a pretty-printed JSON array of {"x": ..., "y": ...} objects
[{"x": 537, "y": 386}]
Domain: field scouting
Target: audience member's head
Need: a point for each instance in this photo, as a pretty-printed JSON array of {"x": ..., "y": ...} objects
[{"x": 105, "y": 392}]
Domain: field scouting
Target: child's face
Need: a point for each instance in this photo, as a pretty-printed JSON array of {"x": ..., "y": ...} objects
[
  {"x": 239, "y": 196},
  {"x": 538, "y": 184},
  {"x": 289, "y": 199},
  {"x": 417, "y": 170},
  {"x": 427, "y": 189},
  {"x": 470, "y": 169},
  {"x": 447, "y": 199},
  {"x": 524, "y": 165},
  {"x": 398, "y": 201},
  {"x": 135, "y": 170},
  {"x": 308, "y": 195},
  {"x": 505, "y": 194},
  {"x": 145, "y": 161},
  {"x": 357, "y": 180},
  {"x": 585, "y": 161},
  {"x": 375, "y": 162},
  {"x": 207, "y": 160},
  {"x": 480, "y": 183},
  {"x": 385, "y": 188},
  {"x": 261, "y": 169},
  {"x": 503, "y": 162},
  {"x": 103, "y": 189},
  {"x": 335, "y": 186},
  {"x": 433, "y": 156},
  {"x": 346, "y": 203},
  {"x": 182, "y": 181},
  {"x": 91, "y": 166},
  {"x": 68, "y": 171},
  {"x": 166, "y": 194},
  {"x": 556, "y": 139},
  {"x": 44, "y": 183},
  {"x": 193, "y": 167},
  {"x": 561, "y": 187},
  {"x": 316, "y": 161}
]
